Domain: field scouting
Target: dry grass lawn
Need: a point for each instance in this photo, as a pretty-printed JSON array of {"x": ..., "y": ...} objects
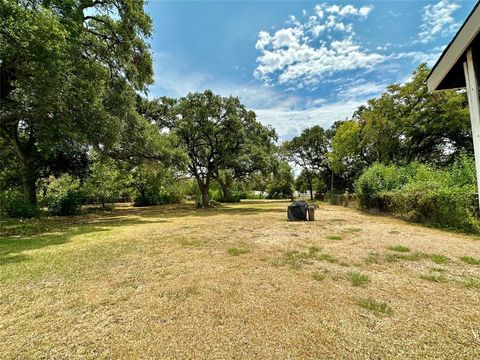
[{"x": 237, "y": 281}]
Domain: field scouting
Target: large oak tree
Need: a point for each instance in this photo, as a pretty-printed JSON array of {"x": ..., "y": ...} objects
[
  {"x": 218, "y": 134},
  {"x": 69, "y": 73}
]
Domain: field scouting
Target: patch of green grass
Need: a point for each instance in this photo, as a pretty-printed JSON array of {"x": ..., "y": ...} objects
[
  {"x": 318, "y": 276},
  {"x": 296, "y": 259},
  {"x": 313, "y": 249},
  {"x": 328, "y": 258},
  {"x": 472, "y": 283},
  {"x": 438, "y": 259},
  {"x": 334, "y": 237},
  {"x": 276, "y": 262},
  {"x": 416, "y": 256},
  {"x": 399, "y": 248},
  {"x": 192, "y": 242},
  {"x": 237, "y": 251},
  {"x": 378, "y": 307},
  {"x": 433, "y": 277},
  {"x": 470, "y": 260},
  {"x": 438, "y": 269},
  {"x": 358, "y": 279},
  {"x": 372, "y": 258}
]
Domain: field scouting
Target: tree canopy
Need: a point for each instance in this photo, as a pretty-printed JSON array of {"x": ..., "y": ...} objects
[
  {"x": 69, "y": 72},
  {"x": 309, "y": 151},
  {"x": 218, "y": 134}
]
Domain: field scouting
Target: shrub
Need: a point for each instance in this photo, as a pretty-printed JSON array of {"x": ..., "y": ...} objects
[
  {"x": 422, "y": 193},
  {"x": 233, "y": 198},
  {"x": 155, "y": 194},
  {"x": 64, "y": 203},
  {"x": 13, "y": 205},
  {"x": 64, "y": 196},
  {"x": 374, "y": 181}
]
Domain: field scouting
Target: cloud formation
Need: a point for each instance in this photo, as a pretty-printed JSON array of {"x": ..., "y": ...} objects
[
  {"x": 321, "y": 45},
  {"x": 437, "y": 20}
]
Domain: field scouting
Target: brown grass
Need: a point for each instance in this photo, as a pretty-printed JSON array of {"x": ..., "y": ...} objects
[{"x": 162, "y": 283}]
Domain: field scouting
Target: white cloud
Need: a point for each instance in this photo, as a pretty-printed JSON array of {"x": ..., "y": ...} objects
[
  {"x": 299, "y": 56},
  {"x": 263, "y": 40},
  {"x": 365, "y": 10},
  {"x": 347, "y": 10},
  {"x": 437, "y": 20},
  {"x": 288, "y": 113},
  {"x": 289, "y": 38},
  {"x": 289, "y": 123},
  {"x": 430, "y": 58},
  {"x": 361, "y": 89}
]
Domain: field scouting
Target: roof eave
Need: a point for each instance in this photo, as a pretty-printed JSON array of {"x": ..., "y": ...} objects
[{"x": 454, "y": 51}]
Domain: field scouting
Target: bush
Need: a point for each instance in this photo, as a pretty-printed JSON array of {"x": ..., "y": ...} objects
[
  {"x": 64, "y": 196},
  {"x": 175, "y": 194},
  {"x": 64, "y": 203},
  {"x": 233, "y": 198},
  {"x": 376, "y": 179},
  {"x": 14, "y": 206},
  {"x": 420, "y": 193}
]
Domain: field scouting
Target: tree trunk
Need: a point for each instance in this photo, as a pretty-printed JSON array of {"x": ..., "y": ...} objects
[
  {"x": 225, "y": 189},
  {"x": 205, "y": 197},
  {"x": 310, "y": 186},
  {"x": 204, "y": 187},
  {"x": 26, "y": 155},
  {"x": 29, "y": 185},
  {"x": 331, "y": 184}
]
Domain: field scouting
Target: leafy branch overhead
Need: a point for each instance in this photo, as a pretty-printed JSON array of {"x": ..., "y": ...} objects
[{"x": 69, "y": 72}]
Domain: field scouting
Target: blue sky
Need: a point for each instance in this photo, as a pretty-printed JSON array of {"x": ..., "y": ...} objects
[{"x": 297, "y": 64}]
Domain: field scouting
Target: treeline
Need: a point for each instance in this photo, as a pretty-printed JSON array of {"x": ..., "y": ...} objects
[
  {"x": 408, "y": 152},
  {"x": 76, "y": 128}
]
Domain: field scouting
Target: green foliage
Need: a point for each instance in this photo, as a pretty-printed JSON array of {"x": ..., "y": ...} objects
[
  {"x": 376, "y": 180},
  {"x": 433, "y": 277},
  {"x": 281, "y": 184},
  {"x": 69, "y": 75},
  {"x": 309, "y": 151},
  {"x": 318, "y": 276},
  {"x": 472, "y": 283},
  {"x": 334, "y": 237},
  {"x": 422, "y": 193},
  {"x": 64, "y": 196},
  {"x": 105, "y": 183},
  {"x": 439, "y": 259},
  {"x": 14, "y": 205},
  {"x": 218, "y": 134},
  {"x": 310, "y": 181},
  {"x": 156, "y": 185},
  {"x": 407, "y": 123}
]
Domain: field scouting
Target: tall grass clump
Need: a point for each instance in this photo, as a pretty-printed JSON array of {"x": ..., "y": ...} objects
[{"x": 422, "y": 193}]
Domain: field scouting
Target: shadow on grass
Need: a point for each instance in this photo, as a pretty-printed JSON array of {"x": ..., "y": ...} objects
[{"x": 18, "y": 236}]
